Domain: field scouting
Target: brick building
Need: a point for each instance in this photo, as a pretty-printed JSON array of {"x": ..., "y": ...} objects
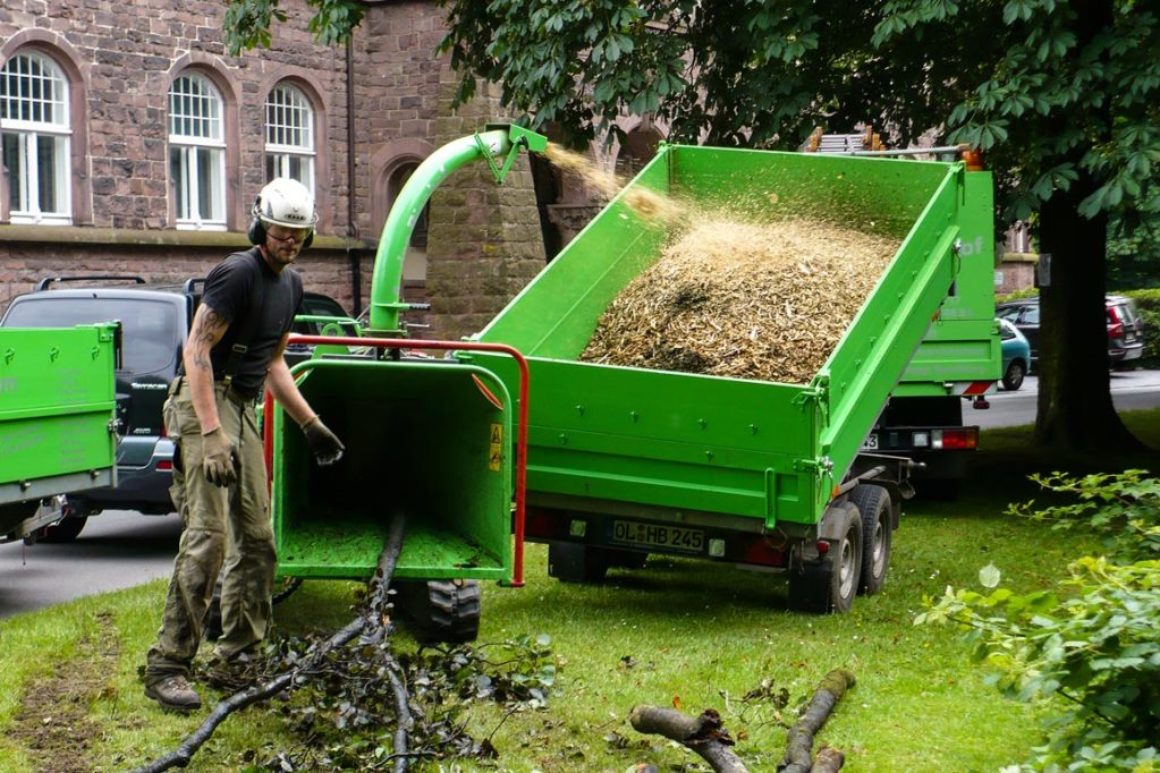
[{"x": 134, "y": 143}]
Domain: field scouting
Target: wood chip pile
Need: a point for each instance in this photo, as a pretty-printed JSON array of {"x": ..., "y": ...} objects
[{"x": 764, "y": 301}]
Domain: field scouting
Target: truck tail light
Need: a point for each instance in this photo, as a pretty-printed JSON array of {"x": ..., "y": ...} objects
[
  {"x": 963, "y": 438},
  {"x": 763, "y": 552},
  {"x": 545, "y": 524}
]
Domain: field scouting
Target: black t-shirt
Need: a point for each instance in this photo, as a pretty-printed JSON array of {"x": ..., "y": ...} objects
[{"x": 232, "y": 290}]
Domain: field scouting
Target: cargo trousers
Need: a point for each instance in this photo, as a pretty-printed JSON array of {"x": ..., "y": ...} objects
[{"x": 229, "y": 525}]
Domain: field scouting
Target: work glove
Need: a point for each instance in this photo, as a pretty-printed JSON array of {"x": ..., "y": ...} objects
[
  {"x": 324, "y": 444},
  {"x": 218, "y": 458}
]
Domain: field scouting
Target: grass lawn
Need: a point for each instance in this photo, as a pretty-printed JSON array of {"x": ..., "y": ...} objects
[{"x": 680, "y": 631}]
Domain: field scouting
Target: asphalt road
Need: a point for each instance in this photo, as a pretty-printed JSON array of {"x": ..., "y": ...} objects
[
  {"x": 120, "y": 549},
  {"x": 117, "y": 549},
  {"x": 1131, "y": 390}
]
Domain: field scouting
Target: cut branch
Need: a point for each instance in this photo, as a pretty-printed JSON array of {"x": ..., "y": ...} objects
[
  {"x": 703, "y": 734},
  {"x": 799, "y": 750},
  {"x": 369, "y": 624}
]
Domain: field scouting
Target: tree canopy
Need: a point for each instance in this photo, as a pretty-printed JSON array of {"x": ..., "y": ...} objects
[{"x": 1062, "y": 97}]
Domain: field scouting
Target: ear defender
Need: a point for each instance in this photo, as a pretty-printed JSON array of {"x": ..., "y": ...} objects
[{"x": 257, "y": 232}]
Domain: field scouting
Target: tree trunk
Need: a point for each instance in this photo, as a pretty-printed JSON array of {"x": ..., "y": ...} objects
[{"x": 1075, "y": 410}]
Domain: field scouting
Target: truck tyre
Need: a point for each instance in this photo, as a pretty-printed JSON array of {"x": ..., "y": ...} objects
[
  {"x": 568, "y": 562},
  {"x": 873, "y": 503},
  {"x": 441, "y": 610},
  {"x": 831, "y": 584},
  {"x": 65, "y": 530}
]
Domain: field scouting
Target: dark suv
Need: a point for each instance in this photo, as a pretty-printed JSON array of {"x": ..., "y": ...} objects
[
  {"x": 1125, "y": 327},
  {"x": 154, "y": 321}
]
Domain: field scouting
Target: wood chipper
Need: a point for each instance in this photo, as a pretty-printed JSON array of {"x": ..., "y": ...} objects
[
  {"x": 58, "y": 419},
  {"x": 439, "y": 439}
]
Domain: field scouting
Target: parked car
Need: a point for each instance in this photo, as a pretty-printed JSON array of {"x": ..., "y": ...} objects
[
  {"x": 1125, "y": 327},
  {"x": 154, "y": 321},
  {"x": 1016, "y": 355}
]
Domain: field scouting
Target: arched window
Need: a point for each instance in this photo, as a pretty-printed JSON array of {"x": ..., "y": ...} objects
[
  {"x": 197, "y": 152},
  {"x": 290, "y": 135},
  {"x": 35, "y": 127},
  {"x": 415, "y": 260}
]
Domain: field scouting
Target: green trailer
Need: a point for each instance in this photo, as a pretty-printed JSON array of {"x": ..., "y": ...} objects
[
  {"x": 624, "y": 461},
  {"x": 57, "y": 419}
]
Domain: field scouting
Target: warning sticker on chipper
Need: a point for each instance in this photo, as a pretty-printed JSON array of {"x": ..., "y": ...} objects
[{"x": 495, "y": 453}]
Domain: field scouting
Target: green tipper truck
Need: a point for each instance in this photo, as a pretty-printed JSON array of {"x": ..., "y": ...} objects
[{"x": 57, "y": 419}]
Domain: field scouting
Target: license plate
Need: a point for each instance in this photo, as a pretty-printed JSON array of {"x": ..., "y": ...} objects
[
  {"x": 658, "y": 536},
  {"x": 871, "y": 442}
]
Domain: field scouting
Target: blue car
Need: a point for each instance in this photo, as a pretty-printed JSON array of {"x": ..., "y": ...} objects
[{"x": 1016, "y": 355}]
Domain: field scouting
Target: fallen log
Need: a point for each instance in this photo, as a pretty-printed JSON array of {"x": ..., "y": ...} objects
[
  {"x": 798, "y": 752},
  {"x": 703, "y": 734},
  {"x": 829, "y": 760}
]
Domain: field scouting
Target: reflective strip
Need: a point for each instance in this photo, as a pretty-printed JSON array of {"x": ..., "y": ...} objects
[{"x": 972, "y": 388}]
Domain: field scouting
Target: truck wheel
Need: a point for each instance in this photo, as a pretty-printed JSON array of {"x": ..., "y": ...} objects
[
  {"x": 568, "y": 562},
  {"x": 1013, "y": 378},
  {"x": 832, "y": 584},
  {"x": 874, "y": 504},
  {"x": 441, "y": 610},
  {"x": 66, "y": 529}
]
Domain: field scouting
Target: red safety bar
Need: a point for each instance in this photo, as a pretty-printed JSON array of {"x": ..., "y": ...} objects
[{"x": 407, "y": 343}]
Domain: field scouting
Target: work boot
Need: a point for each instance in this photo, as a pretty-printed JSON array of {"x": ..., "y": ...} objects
[{"x": 174, "y": 692}]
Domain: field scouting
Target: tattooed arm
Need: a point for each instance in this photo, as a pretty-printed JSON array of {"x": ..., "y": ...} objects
[{"x": 208, "y": 328}]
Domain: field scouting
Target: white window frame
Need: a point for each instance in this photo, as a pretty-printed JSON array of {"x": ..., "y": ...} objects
[
  {"x": 197, "y": 140},
  {"x": 30, "y": 133},
  {"x": 289, "y": 133}
]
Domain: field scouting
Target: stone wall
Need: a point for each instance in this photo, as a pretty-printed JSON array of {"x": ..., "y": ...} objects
[
  {"x": 485, "y": 242},
  {"x": 121, "y": 58}
]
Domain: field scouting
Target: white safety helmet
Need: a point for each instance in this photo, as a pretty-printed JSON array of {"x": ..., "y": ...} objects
[{"x": 285, "y": 202}]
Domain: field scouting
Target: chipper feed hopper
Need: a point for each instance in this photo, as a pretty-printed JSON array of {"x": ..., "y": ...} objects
[
  {"x": 58, "y": 418},
  {"x": 625, "y": 461},
  {"x": 431, "y": 440}
]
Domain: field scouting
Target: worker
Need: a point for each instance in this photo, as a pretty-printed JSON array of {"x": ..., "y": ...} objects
[{"x": 233, "y": 353}]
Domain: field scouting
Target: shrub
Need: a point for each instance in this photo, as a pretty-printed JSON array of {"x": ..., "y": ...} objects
[{"x": 1093, "y": 641}]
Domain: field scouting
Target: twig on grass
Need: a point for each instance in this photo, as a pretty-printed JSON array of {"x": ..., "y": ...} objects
[{"x": 371, "y": 622}]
